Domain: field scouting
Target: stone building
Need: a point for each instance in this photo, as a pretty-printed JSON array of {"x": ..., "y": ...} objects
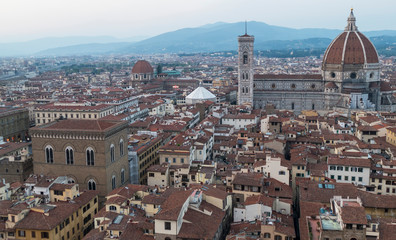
[
  {"x": 16, "y": 162},
  {"x": 94, "y": 153},
  {"x": 350, "y": 78},
  {"x": 14, "y": 123},
  {"x": 52, "y": 111}
]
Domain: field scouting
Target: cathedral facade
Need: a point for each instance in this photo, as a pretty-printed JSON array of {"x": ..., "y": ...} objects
[{"x": 350, "y": 78}]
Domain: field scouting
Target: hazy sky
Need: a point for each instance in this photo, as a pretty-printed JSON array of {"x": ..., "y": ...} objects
[{"x": 29, "y": 19}]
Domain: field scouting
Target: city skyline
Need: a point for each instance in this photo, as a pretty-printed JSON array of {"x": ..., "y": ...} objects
[{"x": 26, "y": 20}]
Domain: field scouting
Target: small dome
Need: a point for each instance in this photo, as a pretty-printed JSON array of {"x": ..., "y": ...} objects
[
  {"x": 351, "y": 47},
  {"x": 142, "y": 66}
]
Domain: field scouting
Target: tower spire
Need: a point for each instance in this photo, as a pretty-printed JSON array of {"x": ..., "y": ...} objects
[
  {"x": 351, "y": 22},
  {"x": 245, "y": 27}
]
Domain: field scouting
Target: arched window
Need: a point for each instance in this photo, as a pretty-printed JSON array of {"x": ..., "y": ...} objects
[
  {"x": 69, "y": 154},
  {"x": 245, "y": 58},
  {"x": 49, "y": 154},
  {"x": 113, "y": 208},
  {"x": 267, "y": 235},
  {"x": 247, "y": 76},
  {"x": 121, "y": 147},
  {"x": 91, "y": 184},
  {"x": 113, "y": 182},
  {"x": 278, "y": 237},
  {"x": 247, "y": 90},
  {"x": 122, "y": 176},
  {"x": 243, "y": 90},
  {"x": 112, "y": 155},
  {"x": 90, "y": 156}
]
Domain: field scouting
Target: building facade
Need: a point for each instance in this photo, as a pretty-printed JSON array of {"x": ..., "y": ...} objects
[
  {"x": 93, "y": 153},
  {"x": 53, "y": 111},
  {"x": 350, "y": 78},
  {"x": 14, "y": 124}
]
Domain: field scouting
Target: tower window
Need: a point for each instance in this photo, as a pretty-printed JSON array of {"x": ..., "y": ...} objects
[
  {"x": 49, "y": 154},
  {"x": 90, "y": 156},
  {"x": 332, "y": 75},
  {"x": 112, "y": 155},
  {"x": 69, "y": 155},
  {"x": 245, "y": 58},
  {"x": 353, "y": 75},
  {"x": 293, "y": 86},
  {"x": 273, "y": 85},
  {"x": 313, "y": 86},
  {"x": 91, "y": 184},
  {"x": 292, "y": 106},
  {"x": 371, "y": 75}
]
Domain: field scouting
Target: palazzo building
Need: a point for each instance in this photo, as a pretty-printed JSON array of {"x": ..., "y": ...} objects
[
  {"x": 350, "y": 78},
  {"x": 94, "y": 153}
]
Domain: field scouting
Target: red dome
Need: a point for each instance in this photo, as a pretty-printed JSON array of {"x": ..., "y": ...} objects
[
  {"x": 142, "y": 66},
  {"x": 351, "y": 47}
]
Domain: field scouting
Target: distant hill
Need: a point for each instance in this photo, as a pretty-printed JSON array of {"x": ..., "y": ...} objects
[
  {"x": 208, "y": 38},
  {"x": 34, "y": 46}
]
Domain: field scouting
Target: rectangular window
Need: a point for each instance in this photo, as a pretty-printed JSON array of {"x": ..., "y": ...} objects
[
  {"x": 151, "y": 174},
  {"x": 353, "y": 179},
  {"x": 360, "y": 169},
  {"x": 44, "y": 235},
  {"x": 166, "y": 160},
  {"x": 167, "y": 225},
  {"x": 346, "y": 178},
  {"x": 339, "y": 177},
  {"x": 21, "y": 233},
  {"x": 360, "y": 179},
  {"x": 33, "y": 234}
]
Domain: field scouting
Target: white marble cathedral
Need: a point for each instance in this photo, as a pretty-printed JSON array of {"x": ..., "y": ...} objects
[{"x": 350, "y": 78}]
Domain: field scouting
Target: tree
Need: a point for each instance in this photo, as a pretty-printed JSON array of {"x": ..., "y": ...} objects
[{"x": 159, "y": 69}]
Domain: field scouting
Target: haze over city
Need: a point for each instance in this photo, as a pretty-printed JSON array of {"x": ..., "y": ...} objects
[
  {"x": 24, "y": 20},
  {"x": 212, "y": 119}
]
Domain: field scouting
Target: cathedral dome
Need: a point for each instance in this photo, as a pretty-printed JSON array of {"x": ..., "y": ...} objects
[
  {"x": 142, "y": 66},
  {"x": 351, "y": 47}
]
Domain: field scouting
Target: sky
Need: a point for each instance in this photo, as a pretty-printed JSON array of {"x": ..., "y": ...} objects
[{"x": 22, "y": 20}]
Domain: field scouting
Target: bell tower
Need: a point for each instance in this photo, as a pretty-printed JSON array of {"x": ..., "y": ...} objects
[{"x": 245, "y": 68}]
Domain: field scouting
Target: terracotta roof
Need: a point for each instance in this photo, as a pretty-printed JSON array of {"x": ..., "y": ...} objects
[
  {"x": 171, "y": 208},
  {"x": 350, "y": 48},
  {"x": 259, "y": 199},
  {"x": 202, "y": 223},
  {"x": 353, "y": 214},
  {"x": 80, "y": 125},
  {"x": 354, "y": 162},
  {"x": 142, "y": 66},
  {"x": 249, "y": 179}
]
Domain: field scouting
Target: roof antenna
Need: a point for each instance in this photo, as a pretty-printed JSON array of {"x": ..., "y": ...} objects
[{"x": 245, "y": 27}]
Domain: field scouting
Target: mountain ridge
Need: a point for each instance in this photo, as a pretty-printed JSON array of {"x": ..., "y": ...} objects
[{"x": 219, "y": 36}]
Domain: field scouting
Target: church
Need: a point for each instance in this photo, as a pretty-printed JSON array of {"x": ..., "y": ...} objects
[{"x": 350, "y": 78}]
